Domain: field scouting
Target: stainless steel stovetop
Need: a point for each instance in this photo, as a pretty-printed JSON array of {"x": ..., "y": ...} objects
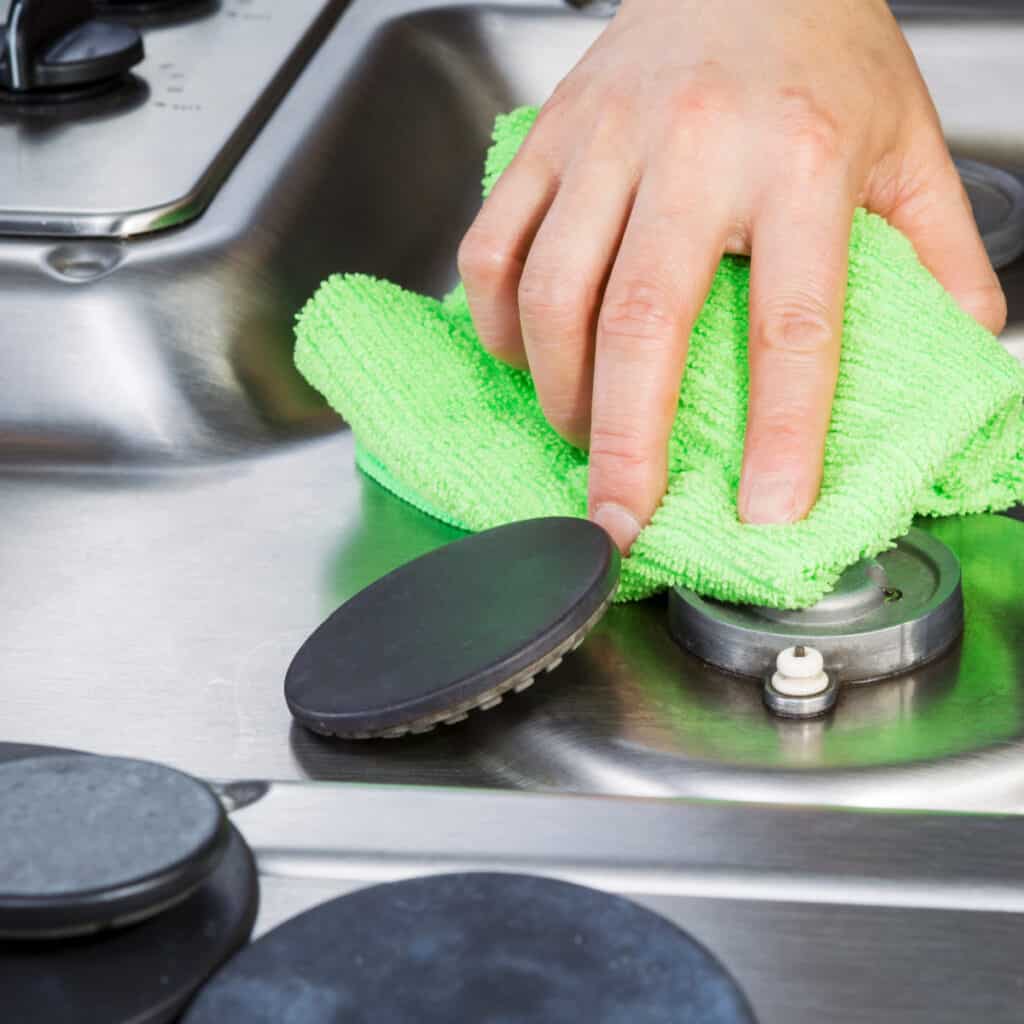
[{"x": 179, "y": 512}]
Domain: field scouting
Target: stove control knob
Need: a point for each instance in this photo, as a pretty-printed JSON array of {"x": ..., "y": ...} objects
[{"x": 60, "y": 47}]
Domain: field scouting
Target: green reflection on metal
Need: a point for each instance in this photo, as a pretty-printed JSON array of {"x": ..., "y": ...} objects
[
  {"x": 671, "y": 705},
  {"x": 968, "y": 700},
  {"x": 389, "y": 534}
]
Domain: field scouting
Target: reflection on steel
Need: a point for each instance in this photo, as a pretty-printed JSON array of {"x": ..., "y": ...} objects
[
  {"x": 176, "y": 346},
  {"x": 156, "y": 594},
  {"x": 155, "y": 614}
]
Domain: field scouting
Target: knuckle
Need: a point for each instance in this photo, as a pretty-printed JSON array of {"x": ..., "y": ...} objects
[
  {"x": 613, "y": 142},
  {"x": 812, "y": 132},
  {"x": 782, "y": 434},
  {"x": 551, "y": 116},
  {"x": 619, "y": 448},
  {"x": 552, "y": 299},
  {"x": 618, "y": 103},
  {"x": 798, "y": 330},
  {"x": 486, "y": 259},
  {"x": 638, "y": 311},
  {"x": 563, "y": 95},
  {"x": 814, "y": 145},
  {"x": 708, "y": 95}
]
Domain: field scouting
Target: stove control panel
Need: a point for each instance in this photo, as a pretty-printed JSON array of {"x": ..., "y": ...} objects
[
  {"x": 122, "y": 117},
  {"x": 58, "y": 49}
]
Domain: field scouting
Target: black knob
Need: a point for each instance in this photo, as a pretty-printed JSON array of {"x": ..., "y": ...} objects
[{"x": 59, "y": 45}]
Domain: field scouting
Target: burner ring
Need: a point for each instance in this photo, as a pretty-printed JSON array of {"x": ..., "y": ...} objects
[{"x": 885, "y": 616}]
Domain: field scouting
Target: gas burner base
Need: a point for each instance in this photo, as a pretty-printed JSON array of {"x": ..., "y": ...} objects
[{"x": 885, "y": 616}]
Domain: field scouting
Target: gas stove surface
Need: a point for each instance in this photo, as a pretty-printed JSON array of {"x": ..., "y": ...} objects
[
  {"x": 155, "y": 615},
  {"x": 180, "y": 512}
]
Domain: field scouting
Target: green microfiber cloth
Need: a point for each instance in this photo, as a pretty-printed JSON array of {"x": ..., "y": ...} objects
[{"x": 928, "y": 419}]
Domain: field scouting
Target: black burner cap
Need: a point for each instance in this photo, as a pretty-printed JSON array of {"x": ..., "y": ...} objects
[
  {"x": 91, "y": 842},
  {"x": 454, "y": 630},
  {"x": 486, "y": 948}
]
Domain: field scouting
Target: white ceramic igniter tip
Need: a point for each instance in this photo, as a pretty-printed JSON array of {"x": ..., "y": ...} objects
[{"x": 800, "y": 672}]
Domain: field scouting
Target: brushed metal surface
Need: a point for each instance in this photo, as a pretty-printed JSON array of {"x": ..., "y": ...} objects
[
  {"x": 175, "y": 526},
  {"x": 154, "y": 614},
  {"x": 151, "y": 155},
  {"x": 179, "y": 512},
  {"x": 823, "y": 917},
  {"x": 176, "y": 346}
]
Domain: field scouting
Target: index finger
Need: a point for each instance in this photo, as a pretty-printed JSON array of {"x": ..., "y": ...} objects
[{"x": 659, "y": 282}]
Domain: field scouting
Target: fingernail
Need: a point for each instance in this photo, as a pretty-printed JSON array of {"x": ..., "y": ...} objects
[
  {"x": 770, "y": 498},
  {"x": 623, "y": 526}
]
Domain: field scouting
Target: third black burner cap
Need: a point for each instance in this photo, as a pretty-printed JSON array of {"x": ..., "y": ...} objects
[{"x": 486, "y": 948}]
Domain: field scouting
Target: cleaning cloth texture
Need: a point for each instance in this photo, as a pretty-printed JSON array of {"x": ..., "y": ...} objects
[{"x": 928, "y": 419}]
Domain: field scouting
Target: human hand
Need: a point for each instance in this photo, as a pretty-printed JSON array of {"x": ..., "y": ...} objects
[{"x": 691, "y": 129}]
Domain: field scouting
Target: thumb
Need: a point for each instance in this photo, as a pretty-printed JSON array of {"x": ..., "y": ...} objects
[{"x": 938, "y": 220}]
